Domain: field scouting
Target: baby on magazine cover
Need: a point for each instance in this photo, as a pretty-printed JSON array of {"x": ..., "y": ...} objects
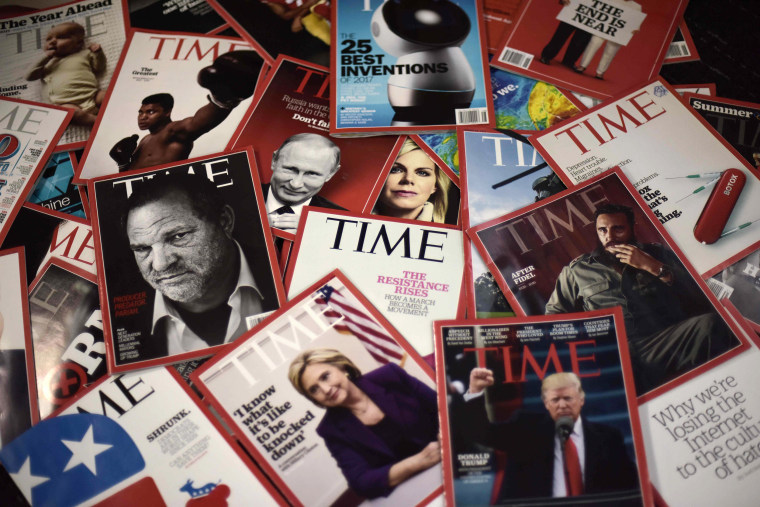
[{"x": 69, "y": 72}]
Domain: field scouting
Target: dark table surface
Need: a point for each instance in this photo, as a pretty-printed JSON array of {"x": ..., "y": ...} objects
[{"x": 726, "y": 33}]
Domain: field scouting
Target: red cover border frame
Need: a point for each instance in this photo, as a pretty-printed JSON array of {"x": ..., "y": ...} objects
[
  {"x": 296, "y": 246},
  {"x": 625, "y": 363},
  {"x": 694, "y": 56},
  {"x": 209, "y": 397},
  {"x": 41, "y": 161},
  {"x": 389, "y": 129},
  {"x": 655, "y": 223},
  {"x": 103, "y": 290},
  {"x": 78, "y": 180},
  {"x": 535, "y": 141},
  {"x": 654, "y": 70},
  {"x": 29, "y": 342}
]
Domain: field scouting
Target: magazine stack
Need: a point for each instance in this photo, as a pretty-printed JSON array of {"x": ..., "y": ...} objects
[{"x": 379, "y": 253}]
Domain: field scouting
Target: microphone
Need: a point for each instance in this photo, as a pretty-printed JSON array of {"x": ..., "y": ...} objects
[{"x": 563, "y": 427}]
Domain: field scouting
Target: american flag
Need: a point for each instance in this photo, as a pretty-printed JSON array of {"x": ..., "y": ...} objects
[
  {"x": 70, "y": 459},
  {"x": 381, "y": 345}
]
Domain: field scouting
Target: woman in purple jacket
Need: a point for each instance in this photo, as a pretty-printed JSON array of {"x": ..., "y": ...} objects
[{"x": 381, "y": 427}]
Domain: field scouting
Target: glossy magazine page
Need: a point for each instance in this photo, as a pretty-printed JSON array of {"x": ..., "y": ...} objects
[{"x": 288, "y": 389}]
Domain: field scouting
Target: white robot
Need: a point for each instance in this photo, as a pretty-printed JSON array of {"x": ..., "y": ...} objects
[{"x": 425, "y": 36}]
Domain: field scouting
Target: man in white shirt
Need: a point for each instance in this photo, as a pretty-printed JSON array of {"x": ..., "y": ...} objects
[
  {"x": 535, "y": 443},
  {"x": 300, "y": 168},
  {"x": 180, "y": 232}
]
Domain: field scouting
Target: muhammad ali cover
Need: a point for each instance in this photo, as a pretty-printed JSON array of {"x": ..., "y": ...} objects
[
  {"x": 299, "y": 163},
  {"x": 328, "y": 398},
  {"x": 598, "y": 245},
  {"x": 139, "y": 438},
  {"x": 64, "y": 56},
  {"x": 518, "y": 395},
  {"x": 67, "y": 335},
  {"x": 185, "y": 258},
  {"x": 594, "y": 47},
  {"x": 174, "y": 96},
  {"x": 408, "y": 66}
]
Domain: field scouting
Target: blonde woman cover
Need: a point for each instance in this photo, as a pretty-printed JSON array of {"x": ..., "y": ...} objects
[
  {"x": 381, "y": 426},
  {"x": 416, "y": 188}
]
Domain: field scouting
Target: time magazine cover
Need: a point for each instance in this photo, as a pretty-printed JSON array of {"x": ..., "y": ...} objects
[
  {"x": 174, "y": 96},
  {"x": 500, "y": 173},
  {"x": 184, "y": 259},
  {"x": 597, "y": 48},
  {"x": 702, "y": 435},
  {"x": 54, "y": 188},
  {"x": 329, "y": 398},
  {"x": 67, "y": 335},
  {"x": 527, "y": 403},
  {"x": 30, "y": 132},
  {"x": 598, "y": 245},
  {"x": 279, "y": 27},
  {"x": 299, "y": 163},
  {"x": 18, "y": 400},
  {"x": 72, "y": 242},
  {"x": 410, "y": 270},
  {"x": 738, "y": 122},
  {"x": 407, "y": 66},
  {"x": 136, "y": 439},
  {"x": 652, "y": 134},
  {"x": 64, "y": 56},
  {"x": 682, "y": 49},
  {"x": 175, "y": 16},
  {"x": 416, "y": 184}
]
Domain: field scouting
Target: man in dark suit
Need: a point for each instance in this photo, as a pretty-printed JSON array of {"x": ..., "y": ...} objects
[
  {"x": 300, "y": 168},
  {"x": 180, "y": 231},
  {"x": 539, "y": 447}
]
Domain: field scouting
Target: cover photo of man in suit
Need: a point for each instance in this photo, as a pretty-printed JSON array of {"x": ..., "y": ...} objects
[
  {"x": 557, "y": 453},
  {"x": 300, "y": 168}
]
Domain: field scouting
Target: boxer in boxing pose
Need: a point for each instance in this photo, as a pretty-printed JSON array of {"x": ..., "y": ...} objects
[{"x": 230, "y": 79}]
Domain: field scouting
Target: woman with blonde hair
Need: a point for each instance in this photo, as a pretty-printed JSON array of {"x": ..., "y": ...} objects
[
  {"x": 416, "y": 188},
  {"x": 381, "y": 427}
]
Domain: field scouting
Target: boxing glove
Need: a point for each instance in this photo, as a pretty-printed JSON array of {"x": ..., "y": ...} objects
[
  {"x": 231, "y": 78},
  {"x": 123, "y": 150}
]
